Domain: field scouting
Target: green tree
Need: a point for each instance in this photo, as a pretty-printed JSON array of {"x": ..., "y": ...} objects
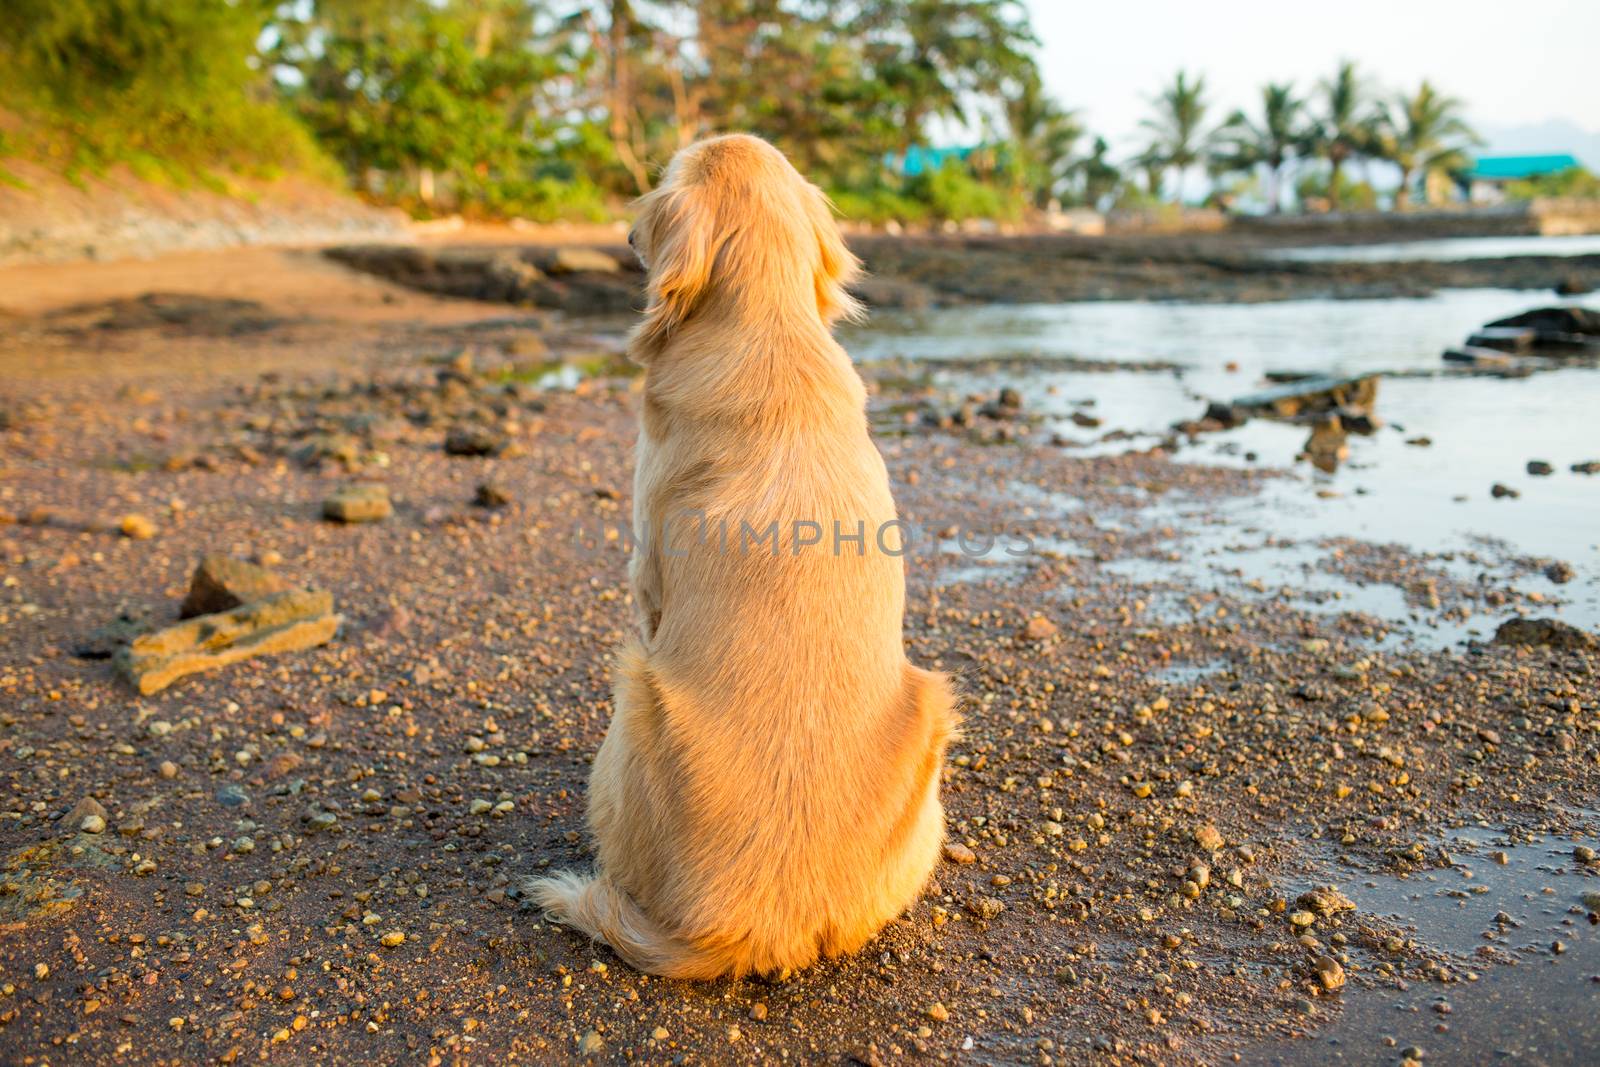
[
  {"x": 1423, "y": 133},
  {"x": 1178, "y": 137},
  {"x": 1100, "y": 177},
  {"x": 429, "y": 90},
  {"x": 1270, "y": 142},
  {"x": 1044, "y": 138},
  {"x": 1346, "y": 128}
]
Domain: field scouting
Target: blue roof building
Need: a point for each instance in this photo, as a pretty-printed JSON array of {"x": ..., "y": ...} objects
[
  {"x": 920, "y": 158},
  {"x": 1485, "y": 182},
  {"x": 1518, "y": 168}
]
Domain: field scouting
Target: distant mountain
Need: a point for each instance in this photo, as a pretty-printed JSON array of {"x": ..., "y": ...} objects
[{"x": 1541, "y": 138}]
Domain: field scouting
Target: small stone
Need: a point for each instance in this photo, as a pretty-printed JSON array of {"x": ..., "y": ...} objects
[
  {"x": 392, "y": 939},
  {"x": 591, "y": 1044},
  {"x": 136, "y": 527},
  {"x": 93, "y": 824},
  {"x": 467, "y": 440},
  {"x": 938, "y": 1012},
  {"x": 84, "y": 810},
  {"x": 490, "y": 495},
  {"x": 1301, "y": 918},
  {"x": 1539, "y": 468},
  {"x": 956, "y": 852},
  {"x": 230, "y": 795},
  {"x": 317, "y": 821},
  {"x": 1560, "y": 572},
  {"x": 1583, "y": 853},
  {"x": 1330, "y": 973},
  {"x": 480, "y": 807},
  {"x": 985, "y": 907},
  {"x": 1325, "y": 900},
  {"x": 168, "y": 769},
  {"x": 1038, "y": 628},
  {"x": 1209, "y": 838},
  {"x": 367, "y": 502},
  {"x": 1500, "y": 491}
]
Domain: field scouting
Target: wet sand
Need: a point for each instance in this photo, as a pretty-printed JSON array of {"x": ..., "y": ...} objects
[{"x": 316, "y": 855}]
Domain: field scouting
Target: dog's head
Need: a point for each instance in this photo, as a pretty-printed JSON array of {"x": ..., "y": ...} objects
[{"x": 733, "y": 218}]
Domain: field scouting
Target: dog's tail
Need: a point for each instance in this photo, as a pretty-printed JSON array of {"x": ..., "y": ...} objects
[{"x": 601, "y": 909}]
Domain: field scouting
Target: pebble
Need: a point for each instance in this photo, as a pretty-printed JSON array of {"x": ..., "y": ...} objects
[
  {"x": 985, "y": 907},
  {"x": 1039, "y": 628},
  {"x": 358, "y": 503},
  {"x": 93, "y": 824},
  {"x": 136, "y": 527},
  {"x": 956, "y": 852},
  {"x": 1210, "y": 838},
  {"x": 392, "y": 939},
  {"x": 491, "y": 495},
  {"x": 1330, "y": 973}
]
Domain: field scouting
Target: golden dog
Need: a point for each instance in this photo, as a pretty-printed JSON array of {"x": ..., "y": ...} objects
[{"x": 768, "y": 790}]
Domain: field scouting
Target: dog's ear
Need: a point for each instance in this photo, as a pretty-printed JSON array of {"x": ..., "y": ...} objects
[
  {"x": 837, "y": 266},
  {"x": 683, "y": 249}
]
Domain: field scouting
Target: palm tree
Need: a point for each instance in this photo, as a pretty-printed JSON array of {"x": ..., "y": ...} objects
[
  {"x": 1044, "y": 136},
  {"x": 1177, "y": 137},
  {"x": 1280, "y": 135},
  {"x": 1346, "y": 129},
  {"x": 1421, "y": 134},
  {"x": 1100, "y": 175}
]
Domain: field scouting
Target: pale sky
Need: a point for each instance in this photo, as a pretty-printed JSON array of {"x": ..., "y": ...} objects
[{"x": 1514, "y": 62}]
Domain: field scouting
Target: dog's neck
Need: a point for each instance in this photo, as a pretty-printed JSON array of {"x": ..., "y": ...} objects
[{"x": 731, "y": 362}]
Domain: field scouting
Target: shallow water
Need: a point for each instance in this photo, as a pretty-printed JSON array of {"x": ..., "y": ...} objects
[
  {"x": 1529, "y": 1003},
  {"x": 1483, "y": 430},
  {"x": 1450, "y": 248}
]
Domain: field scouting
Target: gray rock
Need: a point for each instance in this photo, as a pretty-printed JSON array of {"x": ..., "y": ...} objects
[{"x": 221, "y": 583}]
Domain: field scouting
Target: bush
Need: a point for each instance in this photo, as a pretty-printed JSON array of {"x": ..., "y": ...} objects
[
  {"x": 878, "y": 205},
  {"x": 952, "y": 193},
  {"x": 1353, "y": 195},
  {"x": 1575, "y": 182},
  {"x": 168, "y": 86}
]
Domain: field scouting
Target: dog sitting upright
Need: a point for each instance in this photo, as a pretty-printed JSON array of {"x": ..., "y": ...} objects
[{"x": 768, "y": 790}]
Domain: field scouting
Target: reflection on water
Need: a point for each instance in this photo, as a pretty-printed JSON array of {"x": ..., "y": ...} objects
[
  {"x": 1501, "y": 907},
  {"x": 1422, "y": 480},
  {"x": 1451, "y": 248}
]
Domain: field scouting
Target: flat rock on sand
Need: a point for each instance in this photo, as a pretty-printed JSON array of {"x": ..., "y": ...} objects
[{"x": 286, "y": 622}]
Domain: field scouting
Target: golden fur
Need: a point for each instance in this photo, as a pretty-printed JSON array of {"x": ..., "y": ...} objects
[{"x": 768, "y": 790}]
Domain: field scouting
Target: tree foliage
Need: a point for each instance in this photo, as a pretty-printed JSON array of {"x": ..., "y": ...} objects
[
  {"x": 1271, "y": 142},
  {"x": 1178, "y": 137},
  {"x": 1422, "y": 133},
  {"x": 163, "y": 82}
]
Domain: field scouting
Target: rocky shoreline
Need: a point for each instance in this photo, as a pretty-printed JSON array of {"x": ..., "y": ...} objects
[
  {"x": 1164, "y": 813},
  {"x": 924, "y": 271}
]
